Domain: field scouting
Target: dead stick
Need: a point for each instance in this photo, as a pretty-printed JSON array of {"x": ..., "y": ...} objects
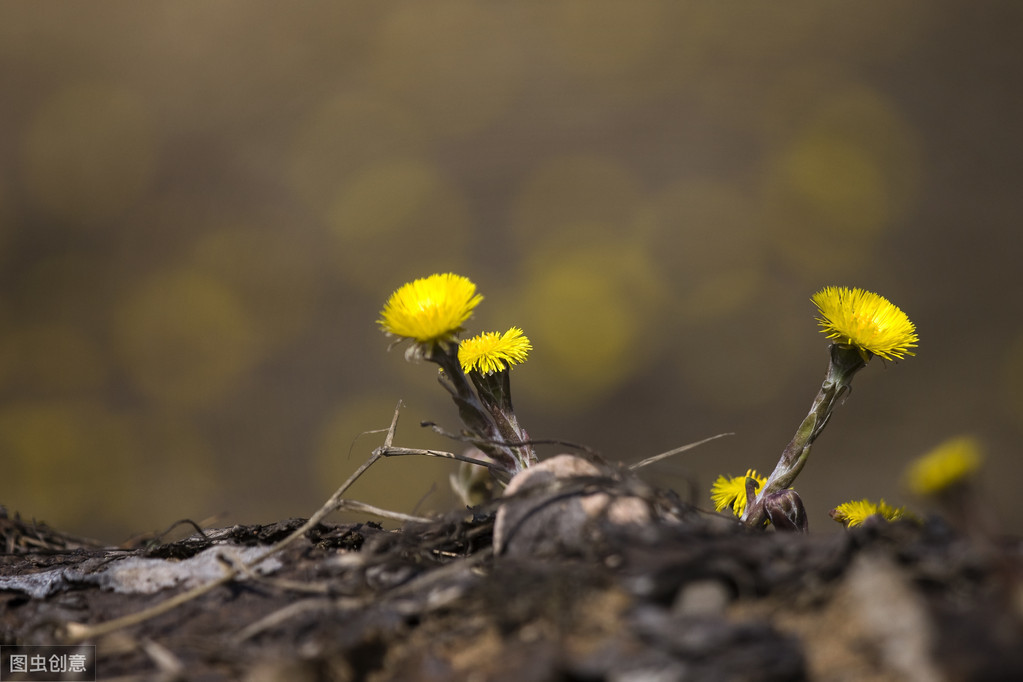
[
  {"x": 78, "y": 632},
  {"x": 669, "y": 453}
]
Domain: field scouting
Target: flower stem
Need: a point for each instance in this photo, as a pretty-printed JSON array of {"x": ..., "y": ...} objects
[
  {"x": 495, "y": 392},
  {"x": 844, "y": 363},
  {"x": 476, "y": 418}
]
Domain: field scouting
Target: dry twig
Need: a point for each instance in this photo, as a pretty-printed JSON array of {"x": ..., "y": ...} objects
[{"x": 79, "y": 632}]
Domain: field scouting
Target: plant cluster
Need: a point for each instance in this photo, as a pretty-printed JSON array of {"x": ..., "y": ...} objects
[
  {"x": 861, "y": 325},
  {"x": 429, "y": 313}
]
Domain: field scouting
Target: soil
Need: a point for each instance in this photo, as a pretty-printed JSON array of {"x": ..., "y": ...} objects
[{"x": 677, "y": 595}]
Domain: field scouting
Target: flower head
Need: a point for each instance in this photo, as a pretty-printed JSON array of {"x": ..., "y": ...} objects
[
  {"x": 866, "y": 321},
  {"x": 493, "y": 352},
  {"x": 950, "y": 463},
  {"x": 430, "y": 309},
  {"x": 855, "y": 512},
  {"x": 730, "y": 492}
]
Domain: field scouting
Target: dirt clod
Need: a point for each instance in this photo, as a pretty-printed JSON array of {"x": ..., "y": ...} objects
[{"x": 683, "y": 596}]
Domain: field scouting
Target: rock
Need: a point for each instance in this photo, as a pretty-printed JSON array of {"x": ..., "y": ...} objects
[{"x": 554, "y": 507}]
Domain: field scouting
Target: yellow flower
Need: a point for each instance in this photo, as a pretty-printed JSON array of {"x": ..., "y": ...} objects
[
  {"x": 430, "y": 309},
  {"x": 951, "y": 462},
  {"x": 492, "y": 352},
  {"x": 865, "y": 320},
  {"x": 857, "y": 511},
  {"x": 731, "y": 491}
]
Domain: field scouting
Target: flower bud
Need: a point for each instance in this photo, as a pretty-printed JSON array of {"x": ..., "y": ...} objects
[{"x": 785, "y": 510}]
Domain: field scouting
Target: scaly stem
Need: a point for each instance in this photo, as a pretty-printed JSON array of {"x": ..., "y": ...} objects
[
  {"x": 495, "y": 392},
  {"x": 845, "y": 362},
  {"x": 477, "y": 419}
]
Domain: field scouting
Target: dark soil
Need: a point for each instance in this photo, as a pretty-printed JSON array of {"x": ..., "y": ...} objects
[{"x": 693, "y": 598}]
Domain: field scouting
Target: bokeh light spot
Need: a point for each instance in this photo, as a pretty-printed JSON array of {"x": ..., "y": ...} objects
[
  {"x": 398, "y": 216},
  {"x": 825, "y": 204},
  {"x": 272, "y": 273},
  {"x": 589, "y": 310},
  {"x": 184, "y": 338},
  {"x": 66, "y": 462},
  {"x": 847, "y": 174}
]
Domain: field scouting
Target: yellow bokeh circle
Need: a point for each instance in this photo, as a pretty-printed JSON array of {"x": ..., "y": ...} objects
[
  {"x": 272, "y": 274},
  {"x": 589, "y": 307},
  {"x": 847, "y": 173},
  {"x": 403, "y": 215},
  {"x": 67, "y": 461},
  {"x": 184, "y": 339}
]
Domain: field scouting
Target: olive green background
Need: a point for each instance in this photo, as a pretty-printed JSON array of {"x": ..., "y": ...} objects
[{"x": 203, "y": 206}]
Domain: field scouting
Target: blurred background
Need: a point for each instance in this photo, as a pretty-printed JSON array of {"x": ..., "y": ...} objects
[{"x": 203, "y": 207}]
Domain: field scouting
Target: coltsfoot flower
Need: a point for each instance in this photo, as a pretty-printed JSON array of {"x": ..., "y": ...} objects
[
  {"x": 867, "y": 321},
  {"x": 855, "y": 512},
  {"x": 729, "y": 492},
  {"x": 491, "y": 352},
  {"x": 431, "y": 309},
  {"x": 949, "y": 464}
]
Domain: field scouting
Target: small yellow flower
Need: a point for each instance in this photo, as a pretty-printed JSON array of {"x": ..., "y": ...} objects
[
  {"x": 856, "y": 512},
  {"x": 430, "y": 309},
  {"x": 492, "y": 352},
  {"x": 950, "y": 463},
  {"x": 865, "y": 320},
  {"x": 730, "y": 492}
]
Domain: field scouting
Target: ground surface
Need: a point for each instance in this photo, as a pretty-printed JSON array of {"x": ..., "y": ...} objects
[{"x": 690, "y": 597}]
